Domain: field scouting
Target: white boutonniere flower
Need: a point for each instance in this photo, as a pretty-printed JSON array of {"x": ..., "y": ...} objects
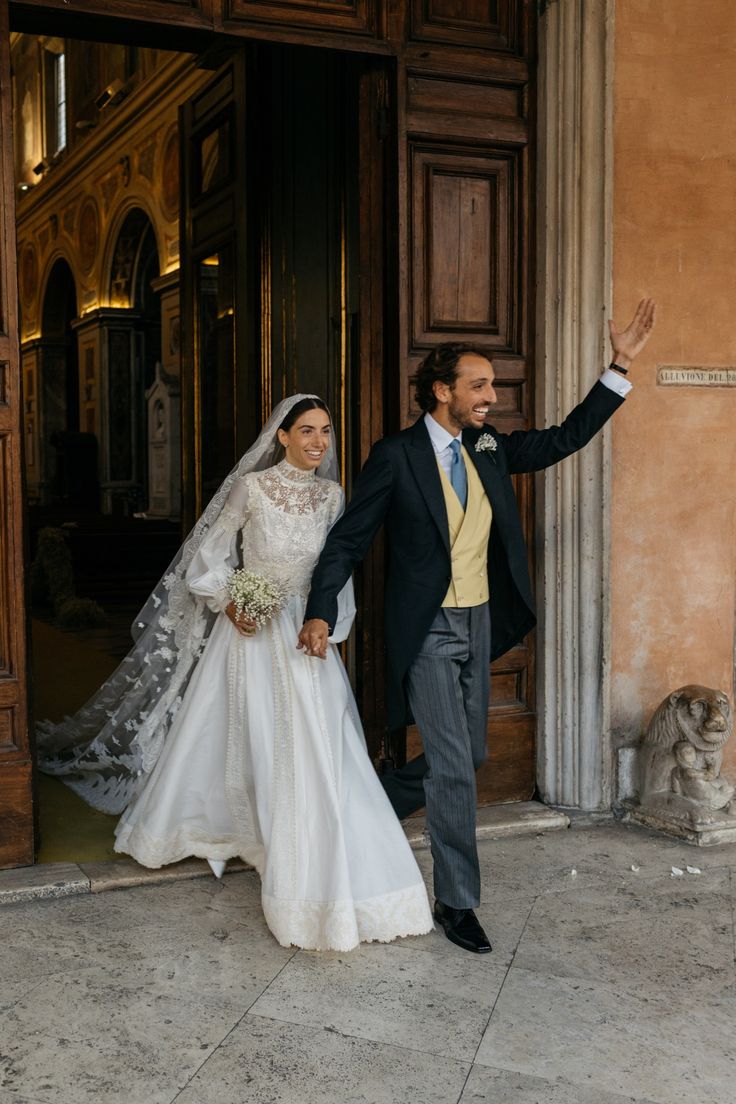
[{"x": 486, "y": 443}]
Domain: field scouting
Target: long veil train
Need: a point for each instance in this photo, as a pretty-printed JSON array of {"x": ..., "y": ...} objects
[{"x": 107, "y": 749}]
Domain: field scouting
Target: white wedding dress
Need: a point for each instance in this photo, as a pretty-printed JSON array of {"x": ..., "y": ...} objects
[{"x": 266, "y": 758}]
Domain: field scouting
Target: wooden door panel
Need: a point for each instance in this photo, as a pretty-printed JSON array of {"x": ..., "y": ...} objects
[
  {"x": 464, "y": 260},
  {"x": 509, "y": 770},
  {"x": 128, "y": 20},
  {"x": 487, "y": 111},
  {"x": 510, "y": 689},
  {"x": 444, "y": 96},
  {"x": 489, "y": 24},
  {"x": 220, "y": 401},
  {"x": 356, "y": 16},
  {"x": 16, "y": 807},
  {"x": 505, "y": 776}
]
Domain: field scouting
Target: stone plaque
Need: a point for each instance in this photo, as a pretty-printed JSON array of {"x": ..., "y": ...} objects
[{"x": 685, "y": 375}]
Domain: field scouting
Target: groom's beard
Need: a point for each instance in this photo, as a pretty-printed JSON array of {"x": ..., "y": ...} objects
[{"x": 462, "y": 416}]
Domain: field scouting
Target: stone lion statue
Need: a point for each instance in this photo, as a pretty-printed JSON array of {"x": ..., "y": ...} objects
[{"x": 682, "y": 752}]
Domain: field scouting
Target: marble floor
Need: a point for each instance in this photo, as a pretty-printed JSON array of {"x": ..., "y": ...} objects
[{"x": 611, "y": 981}]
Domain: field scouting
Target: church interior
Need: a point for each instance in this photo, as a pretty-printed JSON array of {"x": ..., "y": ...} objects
[{"x": 132, "y": 310}]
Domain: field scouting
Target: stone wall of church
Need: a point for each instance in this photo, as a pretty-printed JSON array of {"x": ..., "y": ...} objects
[{"x": 673, "y": 591}]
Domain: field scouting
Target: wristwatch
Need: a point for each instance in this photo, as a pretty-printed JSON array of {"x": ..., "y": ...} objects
[{"x": 617, "y": 368}]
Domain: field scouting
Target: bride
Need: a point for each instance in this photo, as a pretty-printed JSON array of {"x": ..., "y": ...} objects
[{"x": 218, "y": 739}]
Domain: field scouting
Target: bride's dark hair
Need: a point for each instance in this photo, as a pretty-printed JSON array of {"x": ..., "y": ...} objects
[{"x": 301, "y": 408}]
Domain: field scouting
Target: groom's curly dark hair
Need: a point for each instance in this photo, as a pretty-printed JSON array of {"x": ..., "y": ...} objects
[{"x": 440, "y": 366}]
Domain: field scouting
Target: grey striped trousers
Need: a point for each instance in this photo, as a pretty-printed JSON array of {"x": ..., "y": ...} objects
[{"x": 448, "y": 687}]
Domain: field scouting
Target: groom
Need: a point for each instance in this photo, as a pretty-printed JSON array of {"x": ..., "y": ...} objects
[{"x": 457, "y": 586}]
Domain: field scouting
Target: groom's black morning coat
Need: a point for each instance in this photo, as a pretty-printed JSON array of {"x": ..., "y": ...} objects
[{"x": 400, "y": 486}]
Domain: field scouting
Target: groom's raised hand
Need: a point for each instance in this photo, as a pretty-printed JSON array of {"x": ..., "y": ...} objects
[
  {"x": 628, "y": 343},
  {"x": 313, "y": 638}
]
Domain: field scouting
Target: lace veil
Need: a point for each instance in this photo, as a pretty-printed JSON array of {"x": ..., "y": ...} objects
[{"x": 108, "y": 748}]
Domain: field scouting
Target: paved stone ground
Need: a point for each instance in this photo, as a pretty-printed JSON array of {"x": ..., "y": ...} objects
[{"x": 605, "y": 986}]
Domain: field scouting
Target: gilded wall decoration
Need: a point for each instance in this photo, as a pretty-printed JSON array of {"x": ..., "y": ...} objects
[
  {"x": 88, "y": 234},
  {"x": 29, "y": 273},
  {"x": 174, "y": 337},
  {"x": 68, "y": 219},
  {"x": 124, "y": 258},
  {"x": 108, "y": 187},
  {"x": 170, "y": 175},
  {"x": 146, "y": 158}
]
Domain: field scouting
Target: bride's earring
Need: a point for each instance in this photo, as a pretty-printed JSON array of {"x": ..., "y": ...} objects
[
  {"x": 284, "y": 442},
  {"x": 217, "y": 867}
]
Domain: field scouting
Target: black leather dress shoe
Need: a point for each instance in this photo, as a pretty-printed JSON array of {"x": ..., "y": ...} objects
[{"x": 462, "y": 927}]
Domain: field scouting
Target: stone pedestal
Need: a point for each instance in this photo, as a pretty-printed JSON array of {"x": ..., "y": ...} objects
[{"x": 721, "y": 829}]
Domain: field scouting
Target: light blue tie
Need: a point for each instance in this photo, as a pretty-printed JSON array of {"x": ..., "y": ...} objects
[{"x": 458, "y": 474}]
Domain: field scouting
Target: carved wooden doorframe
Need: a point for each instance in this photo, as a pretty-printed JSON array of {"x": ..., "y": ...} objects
[{"x": 16, "y": 774}]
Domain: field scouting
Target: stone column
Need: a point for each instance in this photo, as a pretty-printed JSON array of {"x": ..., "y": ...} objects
[
  {"x": 573, "y": 304},
  {"x": 115, "y": 404},
  {"x": 46, "y": 412}
]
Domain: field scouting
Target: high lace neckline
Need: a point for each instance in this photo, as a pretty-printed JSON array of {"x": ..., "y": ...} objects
[{"x": 294, "y": 475}]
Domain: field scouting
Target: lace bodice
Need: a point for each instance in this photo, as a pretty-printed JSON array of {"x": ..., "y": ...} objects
[
  {"x": 289, "y": 513},
  {"x": 282, "y": 516}
]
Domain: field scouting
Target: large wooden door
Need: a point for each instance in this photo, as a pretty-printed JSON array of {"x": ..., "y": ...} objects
[
  {"x": 219, "y": 414},
  {"x": 465, "y": 244},
  {"x": 16, "y": 776},
  {"x": 269, "y": 231}
]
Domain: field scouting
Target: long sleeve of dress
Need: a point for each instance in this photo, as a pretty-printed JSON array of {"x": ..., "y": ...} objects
[
  {"x": 346, "y": 597},
  {"x": 208, "y": 573}
]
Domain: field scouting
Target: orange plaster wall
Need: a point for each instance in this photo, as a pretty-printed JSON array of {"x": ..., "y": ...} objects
[{"x": 674, "y": 449}]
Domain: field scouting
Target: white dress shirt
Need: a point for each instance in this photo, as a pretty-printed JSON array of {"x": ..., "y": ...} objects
[{"x": 442, "y": 440}]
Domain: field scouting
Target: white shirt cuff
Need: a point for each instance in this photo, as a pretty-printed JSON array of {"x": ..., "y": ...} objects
[{"x": 614, "y": 382}]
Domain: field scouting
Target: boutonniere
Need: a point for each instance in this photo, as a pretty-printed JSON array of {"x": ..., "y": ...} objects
[{"x": 486, "y": 443}]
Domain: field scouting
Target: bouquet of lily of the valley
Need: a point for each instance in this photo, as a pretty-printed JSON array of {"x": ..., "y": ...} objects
[{"x": 255, "y": 597}]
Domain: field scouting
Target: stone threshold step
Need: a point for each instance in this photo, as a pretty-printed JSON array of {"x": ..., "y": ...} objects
[
  {"x": 45, "y": 880},
  {"x": 520, "y": 818}
]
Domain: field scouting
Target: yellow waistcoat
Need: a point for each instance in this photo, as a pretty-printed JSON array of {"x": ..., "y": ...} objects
[{"x": 469, "y": 533}]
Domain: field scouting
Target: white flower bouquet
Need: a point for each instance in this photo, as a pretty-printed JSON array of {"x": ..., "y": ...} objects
[{"x": 255, "y": 597}]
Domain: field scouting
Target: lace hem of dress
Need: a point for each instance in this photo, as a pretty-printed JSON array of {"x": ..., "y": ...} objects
[
  {"x": 343, "y": 925},
  {"x": 132, "y": 840}
]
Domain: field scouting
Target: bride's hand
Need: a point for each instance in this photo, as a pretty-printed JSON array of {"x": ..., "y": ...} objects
[{"x": 242, "y": 624}]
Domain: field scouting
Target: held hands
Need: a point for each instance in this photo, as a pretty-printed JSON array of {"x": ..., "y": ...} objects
[
  {"x": 242, "y": 624},
  {"x": 313, "y": 638},
  {"x": 628, "y": 343}
]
